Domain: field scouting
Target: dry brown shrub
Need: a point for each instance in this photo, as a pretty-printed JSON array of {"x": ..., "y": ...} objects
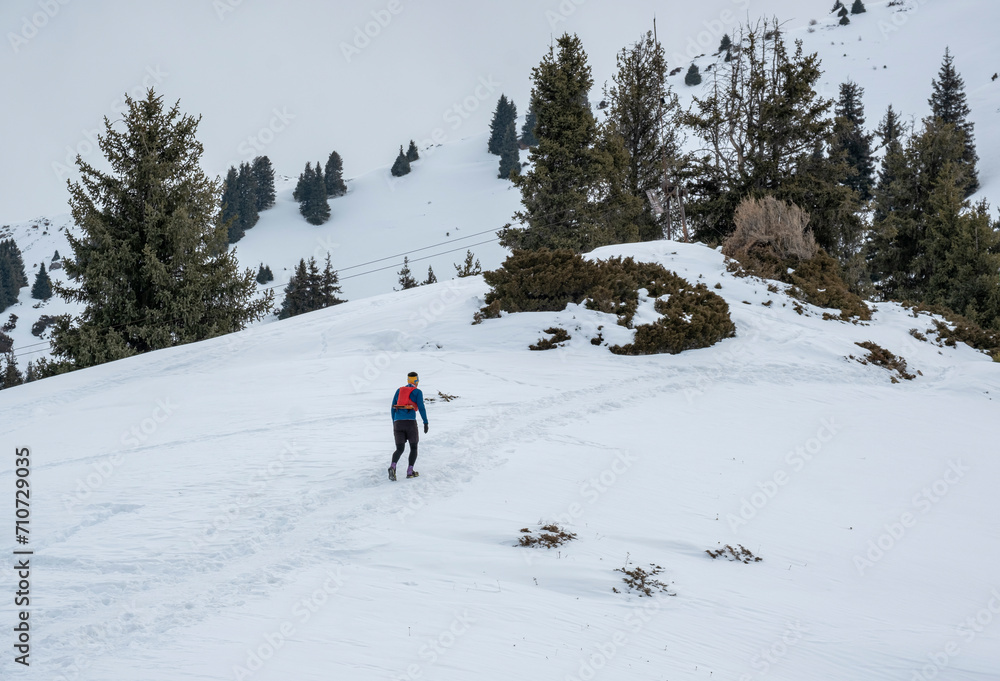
[{"x": 771, "y": 225}]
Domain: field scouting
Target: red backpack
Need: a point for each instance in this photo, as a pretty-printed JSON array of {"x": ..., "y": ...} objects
[{"x": 404, "y": 401}]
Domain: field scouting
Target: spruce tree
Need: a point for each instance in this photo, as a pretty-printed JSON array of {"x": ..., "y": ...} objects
[
  {"x": 693, "y": 76},
  {"x": 891, "y": 132},
  {"x": 858, "y": 7},
  {"x": 431, "y": 278},
  {"x": 503, "y": 116},
  {"x": 837, "y": 6},
  {"x": 919, "y": 187},
  {"x": 761, "y": 125},
  {"x": 304, "y": 181},
  {"x": 948, "y": 103},
  {"x": 850, "y": 136},
  {"x": 309, "y": 289},
  {"x": 312, "y": 195},
  {"x": 470, "y": 267},
  {"x": 643, "y": 110},
  {"x": 264, "y": 274},
  {"x": 230, "y": 213},
  {"x": 844, "y": 20},
  {"x": 573, "y": 184},
  {"x": 10, "y": 376},
  {"x": 329, "y": 285},
  {"x": 406, "y": 279},
  {"x": 42, "y": 288},
  {"x": 725, "y": 45},
  {"x": 335, "y": 185},
  {"x": 55, "y": 256},
  {"x": 411, "y": 152},
  {"x": 401, "y": 166},
  {"x": 246, "y": 197},
  {"x": 150, "y": 256},
  {"x": 296, "y": 299},
  {"x": 528, "y": 137},
  {"x": 510, "y": 155},
  {"x": 12, "y": 274},
  {"x": 961, "y": 253},
  {"x": 263, "y": 174}
]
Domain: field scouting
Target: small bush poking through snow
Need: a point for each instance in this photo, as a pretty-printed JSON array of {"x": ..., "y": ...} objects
[
  {"x": 550, "y": 537},
  {"x": 558, "y": 336},
  {"x": 881, "y": 357},
  {"x": 740, "y": 553},
  {"x": 643, "y": 581}
]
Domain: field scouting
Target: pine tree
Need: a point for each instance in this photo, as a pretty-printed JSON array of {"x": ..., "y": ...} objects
[
  {"x": 330, "y": 285},
  {"x": 30, "y": 373},
  {"x": 401, "y": 166},
  {"x": 725, "y": 45},
  {"x": 296, "y": 300},
  {"x": 850, "y": 136},
  {"x": 246, "y": 191},
  {"x": 844, "y": 20},
  {"x": 229, "y": 215},
  {"x": 10, "y": 376},
  {"x": 411, "y": 152},
  {"x": 12, "y": 274},
  {"x": 150, "y": 255},
  {"x": 891, "y": 131},
  {"x": 335, "y": 185},
  {"x": 314, "y": 286},
  {"x": 762, "y": 123},
  {"x": 918, "y": 187},
  {"x": 961, "y": 253},
  {"x": 643, "y": 110},
  {"x": 858, "y": 7},
  {"x": 264, "y": 274},
  {"x": 406, "y": 279},
  {"x": 837, "y": 6},
  {"x": 469, "y": 268},
  {"x": 311, "y": 195},
  {"x": 431, "y": 278},
  {"x": 573, "y": 184},
  {"x": 693, "y": 76},
  {"x": 948, "y": 103},
  {"x": 55, "y": 256},
  {"x": 510, "y": 155},
  {"x": 503, "y": 116},
  {"x": 528, "y": 137},
  {"x": 309, "y": 289},
  {"x": 42, "y": 288},
  {"x": 305, "y": 180},
  {"x": 263, "y": 175}
]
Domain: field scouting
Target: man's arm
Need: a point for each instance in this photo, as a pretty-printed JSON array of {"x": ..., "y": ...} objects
[
  {"x": 392, "y": 409},
  {"x": 420, "y": 403}
]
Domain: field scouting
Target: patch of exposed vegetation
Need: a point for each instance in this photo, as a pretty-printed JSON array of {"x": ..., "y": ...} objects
[
  {"x": 881, "y": 357},
  {"x": 740, "y": 553}
]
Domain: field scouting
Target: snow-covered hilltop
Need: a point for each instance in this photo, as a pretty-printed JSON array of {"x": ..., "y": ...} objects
[{"x": 220, "y": 510}]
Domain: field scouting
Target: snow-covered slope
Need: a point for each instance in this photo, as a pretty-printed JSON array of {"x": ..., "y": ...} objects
[{"x": 220, "y": 510}]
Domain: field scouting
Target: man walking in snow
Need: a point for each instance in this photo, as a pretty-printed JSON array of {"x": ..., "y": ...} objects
[{"x": 405, "y": 404}]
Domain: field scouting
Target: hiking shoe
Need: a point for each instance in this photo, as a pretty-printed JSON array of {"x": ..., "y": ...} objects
[{"x": 392, "y": 473}]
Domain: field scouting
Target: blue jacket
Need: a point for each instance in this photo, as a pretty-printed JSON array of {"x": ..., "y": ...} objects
[{"x": 417, "y": 398}]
